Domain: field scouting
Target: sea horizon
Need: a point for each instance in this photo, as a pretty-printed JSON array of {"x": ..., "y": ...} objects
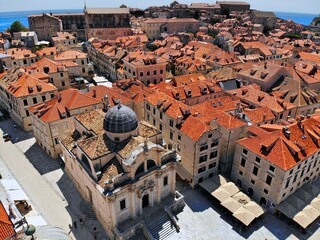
[{"x": 7, "y": 18}]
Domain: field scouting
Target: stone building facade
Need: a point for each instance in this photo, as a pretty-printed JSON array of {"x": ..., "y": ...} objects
[
  {"x": 45, "y": 25},
  {"x": 107, "y": 23},
  {"x": 275, "y": 161},
  {"x": 118, "y": 166}
]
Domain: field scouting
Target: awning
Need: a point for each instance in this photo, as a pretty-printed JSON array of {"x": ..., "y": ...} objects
[
  {"x": 242, "y": 198},
  {"x": 254, "y": 208},
  {"x": 316, "y": 203},
  {"x": 302, "y": 219},
  {"x": 221, "y": 194},
  {"x": 303, "y": 206},
  {"x": 231, "y": 188},
  {"x": 14, "y": 190},
  {"x": 231, "y": 204},
  {"x": 230, "y": 197},
  {"x": 244, "y": 215}
]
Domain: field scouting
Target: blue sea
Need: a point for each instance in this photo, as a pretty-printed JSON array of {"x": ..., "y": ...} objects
[
  {"x": 6, "y": 18},
  {"x": 302, "y": 18}
]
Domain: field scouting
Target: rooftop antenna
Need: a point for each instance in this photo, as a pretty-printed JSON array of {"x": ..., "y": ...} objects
[{"x": 85, "y": 5}]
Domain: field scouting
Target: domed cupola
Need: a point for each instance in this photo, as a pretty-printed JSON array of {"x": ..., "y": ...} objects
[{"x": 120, "y": 122}]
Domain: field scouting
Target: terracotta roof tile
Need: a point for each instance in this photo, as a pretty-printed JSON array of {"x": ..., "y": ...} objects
[
  {"x": 60, "y": 106},
  {"x": 27, "y": 85},
  {"x": 281, "y": 150},
  {"x": 6, "y": 226}
]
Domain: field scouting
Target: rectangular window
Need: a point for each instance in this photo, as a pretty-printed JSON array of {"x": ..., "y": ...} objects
[
  {"x": 258, "y": 160},
  {"x": 295, "y": 178},
  {"x": 148, "y": 106},
  {"x": 35, "y": 100},
  {"x": 271, "y": 168},
  {"x": 212, "y": 165},
  {"x": 155, "y": 72},
  {"x": 265, "y": 191},
  {"x": 161, "y": 71},
  {"x": 171, "y": 135},
  {"x": 203, "y": 147},
  {"x": 243, "y": 162},
  {"x": 201, "y": 170},
  {"x": 25, "y": 102},
  {"x": 148, "y": 73},
  {"x": 210, "y": 135},
  {"x": 27, "y": 113},
  {"x": 245, "y": 151},
  {"x": 122, "y": 204},
  {"x": 241, "y": 173},
  {"x": 309, "y": 168},
  {"x": 160, "y": 127},
  {"x": 255, "y": 170},
  {"x": 214, "y": 143},
  {"x": 43, "y": 98},
  {"x": 61, "y": 74},
  {"x": 63, "y": 84},
  {"x": 268, "y": 180},
  {"x": 141, "y": 74},
  {"x": 179, "y": 137},
  {"x": 148, "y": 117},
  {"x": 252, "y": 181},
  {"x": 291, "y": 171},
  {"x": 56, "y": 140},
  {"x": 165, "y": 181},
  {"x": 171, "y": 123},
  {"x": 160, "y": 115},
  {"x": 154, "y": 111},
  {"x": 154, "y": 122},
  {"x": 287, "y": 184},
  {"x": 213, "y": 154},
  {"x": 203, "y": 158}
]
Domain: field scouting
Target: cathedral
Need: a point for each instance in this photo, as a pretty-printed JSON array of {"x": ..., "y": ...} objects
[{"x": 118, "y": 164}]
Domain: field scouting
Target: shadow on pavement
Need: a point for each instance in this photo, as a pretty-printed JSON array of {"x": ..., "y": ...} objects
[
  {"x": 41, "y": 160},
  {"x": 75, "y": 201},
  {"x": 7, "y": 126}
]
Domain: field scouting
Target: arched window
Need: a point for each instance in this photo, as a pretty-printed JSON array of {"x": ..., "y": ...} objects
[
  {"x": 140, "y": 170},
  {"x": 151, "y": 164}
]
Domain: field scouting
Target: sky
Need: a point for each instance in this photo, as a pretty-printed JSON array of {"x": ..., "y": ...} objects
[{"x": 295, "y": 6}]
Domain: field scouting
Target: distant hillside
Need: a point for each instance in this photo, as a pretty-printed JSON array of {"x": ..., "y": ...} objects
[{"x": 316, "y": 22}]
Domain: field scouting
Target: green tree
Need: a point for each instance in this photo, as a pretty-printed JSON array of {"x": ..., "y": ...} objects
[{"x": 17, "y": 26}]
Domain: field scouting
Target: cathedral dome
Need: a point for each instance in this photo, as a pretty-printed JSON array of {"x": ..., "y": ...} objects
[{"x": 120, "y": 119}]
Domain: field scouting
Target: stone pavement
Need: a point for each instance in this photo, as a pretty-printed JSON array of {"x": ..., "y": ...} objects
[{"x": 49, "y": 188}]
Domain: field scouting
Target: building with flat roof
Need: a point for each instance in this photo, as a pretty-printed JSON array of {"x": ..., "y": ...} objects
[
  {"x": 107, "y": 23},
  {"x": 153, "y": 27},
  {"x": 233, "y": 6}
]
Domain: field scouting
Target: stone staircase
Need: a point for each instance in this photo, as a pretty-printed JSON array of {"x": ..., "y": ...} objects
[
  {"x": 87, "y": 210},
  {"x": 162, "y": 228}
]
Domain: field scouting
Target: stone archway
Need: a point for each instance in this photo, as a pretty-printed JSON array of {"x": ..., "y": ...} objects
[
  {"x": 263, "y": 201},
  {"x": 250, "y": 192}
]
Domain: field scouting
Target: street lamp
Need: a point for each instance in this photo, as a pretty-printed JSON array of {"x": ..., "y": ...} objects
[{"x": 29, "y": 230}]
